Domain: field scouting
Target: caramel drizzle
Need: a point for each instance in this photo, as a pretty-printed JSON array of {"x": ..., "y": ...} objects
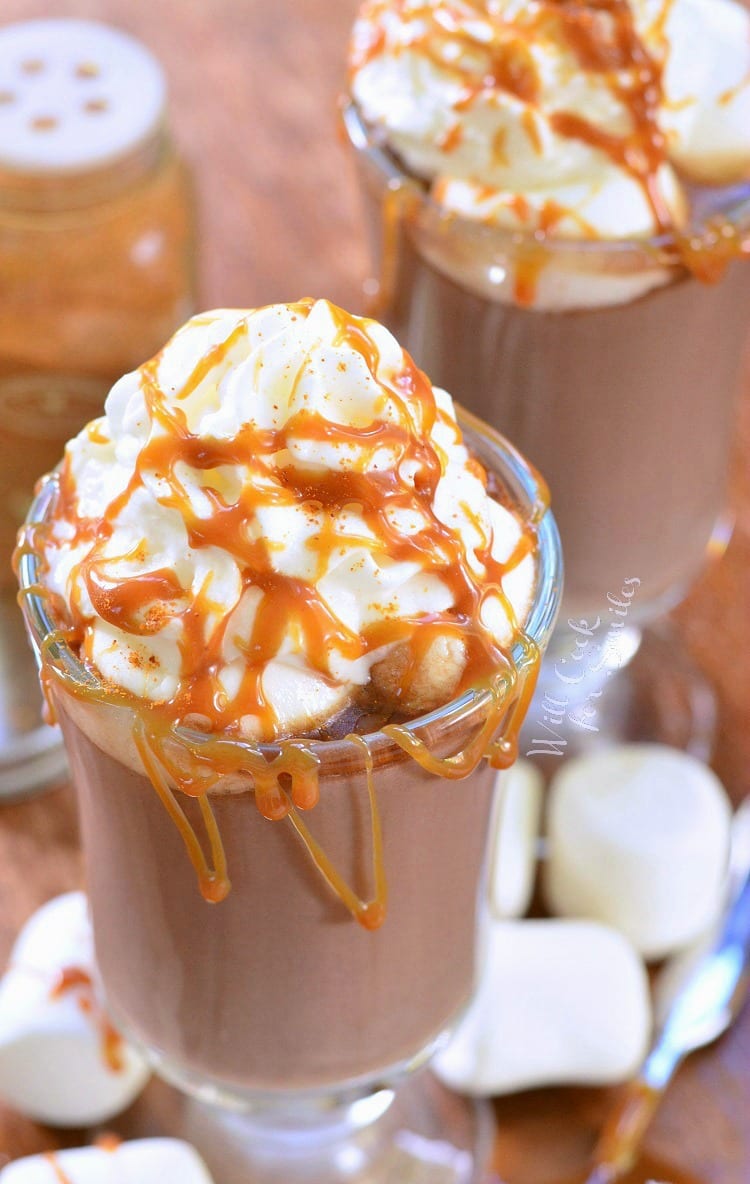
[
  {"x": 658, "y": 28},
  {"x": 732, "y": 92},
  {"x": 284, "y": 783},
  {"x": 600, "y": 33},
  {"x": 502, "y": 63},
  {"x": 286, "y": 605},
  {"x": 707, "y": 253},
  {"x": 507, "y": 697},
  {"x": 75, "y": 978},
  {"x": 108, "y": 1142},
  {"x": 370, "y": 914},
  {"x": 212, "y": 877}
]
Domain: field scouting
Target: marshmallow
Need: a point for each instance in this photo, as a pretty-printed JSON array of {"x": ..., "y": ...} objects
[
  {"x": 558, "y": 1002},
  {"x": 515, "y": 829},
  {"x": 639, "y": 839},
  {"x": 144, "y": 1161},
  {"x": 61, "y": 1063}
]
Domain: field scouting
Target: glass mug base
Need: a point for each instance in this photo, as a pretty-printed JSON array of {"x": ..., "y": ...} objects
[{"x": 420, "y": 1133}]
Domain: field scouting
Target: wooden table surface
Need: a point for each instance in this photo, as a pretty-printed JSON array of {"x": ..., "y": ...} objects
[{"x": 254, "y": 85}]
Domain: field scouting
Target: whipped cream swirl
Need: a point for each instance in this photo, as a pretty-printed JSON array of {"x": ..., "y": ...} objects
[
  {"x": 563, "y": 118},
  {"x": 276, "y": 515}
]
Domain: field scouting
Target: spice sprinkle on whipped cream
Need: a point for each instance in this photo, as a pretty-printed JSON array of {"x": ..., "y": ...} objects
[
  {"x": 567, "y": 118},
  {"x": 277, "y": 520}
]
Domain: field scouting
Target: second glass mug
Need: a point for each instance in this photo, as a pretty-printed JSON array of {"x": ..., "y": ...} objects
[
  {"x": 619, "y": 382},
  {"x": 274, "y": 1002}
]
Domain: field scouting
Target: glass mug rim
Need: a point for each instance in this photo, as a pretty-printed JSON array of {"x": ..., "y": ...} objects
[
  {"x": 529, "y": 494},
  {"x": 648, "y": 250}
]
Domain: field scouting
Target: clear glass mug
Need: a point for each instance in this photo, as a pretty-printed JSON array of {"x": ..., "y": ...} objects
[
  {"x": 624, "y": 399},
  {"x": 275, "y": 1002}
]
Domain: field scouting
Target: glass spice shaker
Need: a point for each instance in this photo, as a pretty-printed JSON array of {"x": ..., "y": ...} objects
[{"x": 97, "y": 251}]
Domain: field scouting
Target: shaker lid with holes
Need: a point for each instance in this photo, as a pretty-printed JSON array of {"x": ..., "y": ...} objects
[{"x": 74, "y": 95}]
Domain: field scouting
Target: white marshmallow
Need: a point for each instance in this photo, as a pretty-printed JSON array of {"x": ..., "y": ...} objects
[
  {"x": 639, "y": 838},
  {"x": 513, "y": 846},
  {"x": 144, "y": 1161},
  {"x": 53, "y": 1065},
  {"x": 559, "y": 1002}
]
